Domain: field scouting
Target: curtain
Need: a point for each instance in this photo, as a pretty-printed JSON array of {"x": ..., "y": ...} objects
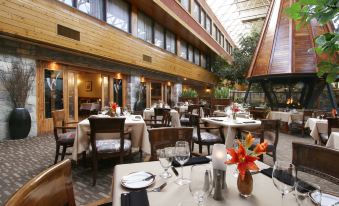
[
  {"x": 159, "y": 36},
  {"x": 185, "y": 4},
  {"x": 91, "y": 7},
  {"x": 145, "y": 27},
  {"x": 118, "y": 14},
  {"x": 190, "y": 53},
  {"x": 183, "y": 49},
  {"x": 170, "y": 42},
  {"x": 196, "y": 57}
]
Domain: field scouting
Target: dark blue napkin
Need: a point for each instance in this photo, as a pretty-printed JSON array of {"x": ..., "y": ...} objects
[
  {"x": 193, "y": 161},
  {"x": 135, "y": 198}
]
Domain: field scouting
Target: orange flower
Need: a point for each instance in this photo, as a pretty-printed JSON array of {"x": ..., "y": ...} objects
[
  {"x": 249, "y": 140},
  {"x": 114, "y": 106},
  {"x": 260, "y": 148}
]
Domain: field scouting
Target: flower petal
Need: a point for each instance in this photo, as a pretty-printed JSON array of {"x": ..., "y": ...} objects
[
  {"x": 249, "y": 140},
  {"x": 234, "y": 156}
]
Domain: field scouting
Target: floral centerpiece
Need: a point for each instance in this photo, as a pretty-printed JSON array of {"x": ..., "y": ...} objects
[
  {"x": 113, "y": 109},
  {"x": 245, "y": 162},
  {"x": 235, "y": 108}
]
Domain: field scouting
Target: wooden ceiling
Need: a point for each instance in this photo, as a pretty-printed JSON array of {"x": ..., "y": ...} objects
[{"x": 282, "y": 49}]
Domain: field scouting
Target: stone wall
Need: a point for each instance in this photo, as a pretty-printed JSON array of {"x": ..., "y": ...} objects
[{"x": 10, "y": 52}]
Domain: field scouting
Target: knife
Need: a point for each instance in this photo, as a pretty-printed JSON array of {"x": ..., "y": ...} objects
[{"x": 175, "y": 171}]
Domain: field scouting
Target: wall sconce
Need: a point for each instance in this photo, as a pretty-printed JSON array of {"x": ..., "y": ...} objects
[
  {"x": 53, "y": 65},
  {"x": 208, "y": 90},
  {"x": 169, "y": 84},
  {"x": 118, "y": 76},
  {"x": 100, "y": 79},
  {"x": 142, "y": 79},
  {"x": 185, "y": 78},
  {"x": 78, "y": 81}
]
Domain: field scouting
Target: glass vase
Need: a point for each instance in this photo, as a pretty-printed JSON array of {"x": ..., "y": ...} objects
[{"x": 245, "y": 184}]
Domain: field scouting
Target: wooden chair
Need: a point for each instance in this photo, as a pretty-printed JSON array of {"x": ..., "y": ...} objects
[
  {"x": 205, "y": 137},
  {"x": 52, "y": 187},
  {"x": 63, "y": 138},
  {"x": 192, "y": 109},
  {"x": 164, "y": 122},
  {"x": 259, "y": 113},
  {"x": 316, "y": 160},
  {"x": 269, "y": 131},
  {"x": 298, "y": 124},
  {"x": 332, "y": 123},
  {"x": 112, "y": 147},
  {"x": 167, "y": 137},
  {"x": 159, "y": 113}
]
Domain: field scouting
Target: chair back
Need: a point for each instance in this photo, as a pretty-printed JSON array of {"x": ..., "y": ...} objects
[
  {"x": 58, "y": 117},
  {"x": 52, "y": 187},
  {"x": 333, "y": 122},
  {"x": 166, "y": 119},
  {"x": 194, "y": 109},
  {"x": 106, "y": 125},
  {"x": 167, "y": 137},
  {"x": 259, "y": 113},
  {"x": 316, "y": 160},
  {"x": 160, "y": 111},
  {"x": 270, "y": 130},
  {"x": 207, "y": 111}
]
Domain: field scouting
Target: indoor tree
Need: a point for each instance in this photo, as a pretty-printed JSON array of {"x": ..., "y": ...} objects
[{"x": 324, "y": 11}]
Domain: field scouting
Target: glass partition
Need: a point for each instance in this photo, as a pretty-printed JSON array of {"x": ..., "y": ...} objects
[
  {"x": 53, "y": 83},
  {"x": 117, "y": 91}
]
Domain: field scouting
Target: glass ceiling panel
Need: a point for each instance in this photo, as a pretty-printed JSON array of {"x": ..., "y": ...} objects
[{"x": 240, "y": 16}]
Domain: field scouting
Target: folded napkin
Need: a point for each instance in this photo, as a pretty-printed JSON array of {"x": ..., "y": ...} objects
[
  {"x": 135, "y": 198},
  {"x": 193, "y": 161}
]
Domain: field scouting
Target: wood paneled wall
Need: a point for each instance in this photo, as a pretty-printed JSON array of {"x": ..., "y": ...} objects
[{"x": 37, "y": 21}]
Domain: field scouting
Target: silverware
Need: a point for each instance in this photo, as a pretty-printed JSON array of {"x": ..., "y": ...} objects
[
  {"x": 139, "y": 180},
  {"x": 158, "y": 189},
  {"x": 175, "y": 171}
]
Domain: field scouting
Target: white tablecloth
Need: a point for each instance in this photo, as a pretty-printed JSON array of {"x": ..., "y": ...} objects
[
  {"x": 316, "y": 126},
  {"x": 219, "y": 113},
  {"x": 285, "y": 116},
  {"x": 90, "y": 106},
  {"x": 333, "y": 141},
  {"x": 148, "y": 113},
  {"x": 230, "y": 127},
  {"x": 139, "y": 135},
  {"x": 264, "y": 192}
]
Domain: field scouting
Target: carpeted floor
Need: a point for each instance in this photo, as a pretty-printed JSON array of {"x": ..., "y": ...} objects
[{"x": 21, "y": 160}]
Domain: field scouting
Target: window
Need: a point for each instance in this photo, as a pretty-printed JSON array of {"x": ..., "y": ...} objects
[
  {"x": 196, "y": 57},
  {"x": 118, "y": 14},
  {"x": 208, "y": 25},
  {"x": 190, "y": 53},
  {"x": 203, "y": 60},
  {"x": 53, "y": 91},
  {"x": 202, "y": 19},
  {"x": 214, "y": 32},
  {"x": 185, "y": 4},
  {"x": 222, "y": 40},
  {"x": 68, "y": 2},
  {"x": 183, "y": 49},
  {"x": 159, "y": 39},
  {"x": 196, "y": 11},
  {"x": 92, "y": 7},
  {"x": 145, "y": 27},
  {"x": 170, "y": 42}
]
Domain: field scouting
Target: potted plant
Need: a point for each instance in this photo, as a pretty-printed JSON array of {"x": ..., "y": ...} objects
[
  {"x": 17, "y": 79},
  {"x": 221, "y": 97},
  {"x": 189, "y": 95}
]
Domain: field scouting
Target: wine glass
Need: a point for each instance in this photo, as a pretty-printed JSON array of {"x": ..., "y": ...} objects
[
  {"x": 166, "y": 157},
  {"x": 307, "y": 194},
  {"x": 182, "y": 154},
  {"x": 201, "y": 183},
  {"x": 236, "y": 147},
  {"x": 251, "y": 116},
  {"x": 283, "y": 176}
]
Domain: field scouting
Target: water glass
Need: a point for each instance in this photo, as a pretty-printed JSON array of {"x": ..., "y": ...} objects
[
  {"x": 182, "y": 155},
  {"x": 166, "y": 157},
  {"x": 307, "y": 194},
  {"x": 284, "y": 177},
  {"x": 201, "y": 183}
]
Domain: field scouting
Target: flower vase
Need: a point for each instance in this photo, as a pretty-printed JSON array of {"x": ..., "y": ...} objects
[
  {"x": 245, "y": 184},
  {"x": 234, "y": 115}
]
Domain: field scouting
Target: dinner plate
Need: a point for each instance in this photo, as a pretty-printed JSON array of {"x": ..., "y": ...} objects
[
  {"x": 326, "y": 199},
  {"x": 137, "y": 180}
]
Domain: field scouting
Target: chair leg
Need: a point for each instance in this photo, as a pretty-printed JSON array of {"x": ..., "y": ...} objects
[
  {"x": 208, "y": 149},
  {"x": 192, "y": 146},
  {"x": 84, "y": 158},
  {"x": 63, "y": 152},
  {"x": 95, "y": 169},
  {"x": 200, "y": 148},
  {"x": 56, "y": 153}
]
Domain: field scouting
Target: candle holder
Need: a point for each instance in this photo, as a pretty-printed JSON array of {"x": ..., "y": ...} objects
[{"x": 219, "y": 170}]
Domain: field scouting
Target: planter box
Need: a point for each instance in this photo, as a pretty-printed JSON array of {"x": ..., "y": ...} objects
[
  {"x": 194, "y": 100},
  {"x": 217, "y": 103}
]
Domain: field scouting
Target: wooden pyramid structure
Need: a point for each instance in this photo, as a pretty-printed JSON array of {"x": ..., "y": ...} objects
[{"x": 284, "y": 56}]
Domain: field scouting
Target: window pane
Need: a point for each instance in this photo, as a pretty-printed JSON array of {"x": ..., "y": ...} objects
[
  {"x": 159, "y": 36},
  {"x": 208, "y": 24},
  {"x": 170, "y": 42},
  {"x": 196, "y": 57},
  {"x": 185, "y": 4},
  {"x": 118, "y": 14},
  {"x": 190, "y": 53},
  {"x": 91, "y": 7},
  {"x": 203, "y": 60},
  {"x": 145, "y": 27},
  {"x": 214, "y": 32},
  {"x": 68, "y": 2},
  {"x": 202, "y": 19},
  {"x": 183, "y": 49},
  {"x": 222, "y": 40},
  {"x": 117, "y": 91},
  {"x": 196, "y": 11},
  {"x": 53, "y": 91}
]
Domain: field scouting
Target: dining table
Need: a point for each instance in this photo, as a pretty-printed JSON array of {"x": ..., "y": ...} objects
[
  {"x": 231, "y": 126},
  {"x": 175, "y": 116},
  {"x": 317, "y": 126},
  {"x": 287, "y": 117},
  {"x": 333, "y": 141},
  {"x": 264, "y": 192},
  {"x": 133, "y": 123}
]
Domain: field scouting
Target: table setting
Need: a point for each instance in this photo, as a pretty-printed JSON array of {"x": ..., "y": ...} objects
[{"x": 210, "y": 181}]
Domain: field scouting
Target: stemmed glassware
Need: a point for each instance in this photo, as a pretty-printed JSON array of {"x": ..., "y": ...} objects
[
  {"x": 201, "y": 183},
  {"x": 166, "y": 157},
  {"x": 182, "y": 154},
  {"x": 284, "y": 177},
  {"x": 307, "y": 194}
]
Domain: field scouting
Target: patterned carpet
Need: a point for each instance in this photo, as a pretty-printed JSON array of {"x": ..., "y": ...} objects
[{"x": 22, "y": 159}]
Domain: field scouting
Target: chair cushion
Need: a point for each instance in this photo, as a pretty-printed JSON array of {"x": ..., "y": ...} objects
[
  {"x": 184, "y": 119},
  {"x": 112, "y": 145},
  {"x": 207, "y": 137},
  {"x": 66, "y": 138}
]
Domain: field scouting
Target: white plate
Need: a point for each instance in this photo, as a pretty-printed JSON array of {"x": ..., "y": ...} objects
[
  {"x": 326, "y": 199},
  {"x": 136, "y": 180}
]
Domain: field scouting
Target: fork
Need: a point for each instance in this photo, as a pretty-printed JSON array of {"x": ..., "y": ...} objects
[{"x": 158, "y": 189}]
